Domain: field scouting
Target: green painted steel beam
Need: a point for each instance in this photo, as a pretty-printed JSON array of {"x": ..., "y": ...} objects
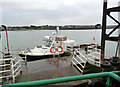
[
  {"x": 115, "y": 76},
  {"x": 115, "y": 72},
  {"x": 108, "y": 82},
  {"x": 57, "y": 80},
  {"x": 65, "y": 79}
]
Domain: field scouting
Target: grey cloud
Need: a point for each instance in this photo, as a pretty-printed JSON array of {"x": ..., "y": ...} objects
[{"x": 80, "y": 13}]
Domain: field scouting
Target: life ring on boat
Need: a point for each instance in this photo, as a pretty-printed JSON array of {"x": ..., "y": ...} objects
[
  {"x": 52, "y": 49},
  {"x": 60, "y": 48}
]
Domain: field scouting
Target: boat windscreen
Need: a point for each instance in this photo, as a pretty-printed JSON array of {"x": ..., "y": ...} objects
[
  {"x": 48, "y": 45},
  {"x": 39, "y": 46}
]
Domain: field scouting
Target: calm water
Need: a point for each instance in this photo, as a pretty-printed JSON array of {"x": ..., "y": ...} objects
[{"x": 20, "y": 40}]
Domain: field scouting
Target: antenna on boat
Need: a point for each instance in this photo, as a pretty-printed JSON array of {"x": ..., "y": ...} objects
[
  {"x": 57, "y": 30},
  {"x": 3, "y": 26}
]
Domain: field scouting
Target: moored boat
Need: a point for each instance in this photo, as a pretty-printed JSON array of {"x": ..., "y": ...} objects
[{"x": 53, "y": 47}]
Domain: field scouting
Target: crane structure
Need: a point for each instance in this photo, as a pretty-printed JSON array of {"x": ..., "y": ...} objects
[{"x": 105, "y": 36}]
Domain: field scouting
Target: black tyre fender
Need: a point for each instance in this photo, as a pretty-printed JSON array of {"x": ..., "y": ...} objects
[
  {"x": 105, "y": 65},
  {"x": 115, "y": 63}
]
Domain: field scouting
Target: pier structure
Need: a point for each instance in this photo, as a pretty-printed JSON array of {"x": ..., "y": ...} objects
[
  {"x": 10, "y": 67},
  {"x": 105, "y": 36},
  {"x": 46, "y": 75}
]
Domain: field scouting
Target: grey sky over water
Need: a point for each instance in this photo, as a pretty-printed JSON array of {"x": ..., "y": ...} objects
[{"x": 53, "y": 12}]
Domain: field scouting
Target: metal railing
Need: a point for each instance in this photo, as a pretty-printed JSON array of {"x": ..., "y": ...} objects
[
  {"x": 15, "y": 67},
  {"x": 79, "y": 59},
  {"x": 3, "y": 68},
  {"x": 10, "y": 69},
  {"x": 94, "y": 58},
  {"x": 109, "y": 75}
]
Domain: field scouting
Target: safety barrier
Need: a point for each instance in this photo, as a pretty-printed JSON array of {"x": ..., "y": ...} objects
[
  {"x": 15, "y": 67},
  {"x": 3, "y": 69},
  {"x": 109, "y": 75},
  {"x": 79, "y": 59},
  {"x": 10, "y": 69},
  {"x": 94, "y": 58}
]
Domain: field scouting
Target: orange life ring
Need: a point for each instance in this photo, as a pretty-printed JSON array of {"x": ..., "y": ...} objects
[
  {"x": 61, "y": 49},
  {"x": 52, "y": 50},
  {"x": 56, "y": 49}
]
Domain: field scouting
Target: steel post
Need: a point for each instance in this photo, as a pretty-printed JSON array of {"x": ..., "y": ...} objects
[{"x": 103, "y": 29}]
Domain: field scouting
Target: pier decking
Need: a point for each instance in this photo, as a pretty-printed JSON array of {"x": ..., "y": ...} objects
[{"x": 49, "y": 69}]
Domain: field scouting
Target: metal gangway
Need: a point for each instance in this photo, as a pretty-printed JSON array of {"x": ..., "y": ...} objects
[
  {"x": 79, "y": 60},
  {"x": 10, "y": 68},
  {"x": 81, "y": 57}
]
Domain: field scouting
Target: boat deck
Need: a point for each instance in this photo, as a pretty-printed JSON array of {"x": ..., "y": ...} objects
[{"x": 49, "y": 69}]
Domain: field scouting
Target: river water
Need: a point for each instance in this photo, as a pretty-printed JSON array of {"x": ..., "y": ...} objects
[{"x": 20, "y": 40}]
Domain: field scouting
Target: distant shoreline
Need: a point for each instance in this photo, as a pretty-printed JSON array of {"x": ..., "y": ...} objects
[
  {"x": 54, "y": 29},
  {"x": 67, "y": 27}
]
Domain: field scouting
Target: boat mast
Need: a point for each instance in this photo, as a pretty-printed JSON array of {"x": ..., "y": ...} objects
[{"x": 57, "y": 30}]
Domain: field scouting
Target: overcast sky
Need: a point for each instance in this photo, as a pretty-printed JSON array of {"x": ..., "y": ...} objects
[{"x": 52, "y": 12}]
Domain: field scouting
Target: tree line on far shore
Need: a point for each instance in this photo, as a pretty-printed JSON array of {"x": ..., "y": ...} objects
[{"x": 52, "y": 27}]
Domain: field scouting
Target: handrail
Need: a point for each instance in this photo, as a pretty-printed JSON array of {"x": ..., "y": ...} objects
[
  {"x": 13, "y": 70},
  {"x": 5, "y": 59},
  {"x": 5, "y": 71},
  {"x": 67, "y": 79},
  {"x": 77, "y": 66},
  {"x": 81, "y": 54},
  {"x": 78, "y": 62},
  {"x": 93, "y": 60},
  {"x": 5, "y": 65},
  {"x": 16, "y": 63},
  {"x": 91, "y": 57},
  {"x": 80, "y": 58},
  {"x": 5, "y": 76},
  {"x": 96, "y": 63}
]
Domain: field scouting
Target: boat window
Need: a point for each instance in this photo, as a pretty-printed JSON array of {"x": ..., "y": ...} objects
[
  {"x": 47, "y": 45},
  {"x": 39, "y": 46},
  {"x": 44, "y": 48},
  {"x": 28, "y": 49}
]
